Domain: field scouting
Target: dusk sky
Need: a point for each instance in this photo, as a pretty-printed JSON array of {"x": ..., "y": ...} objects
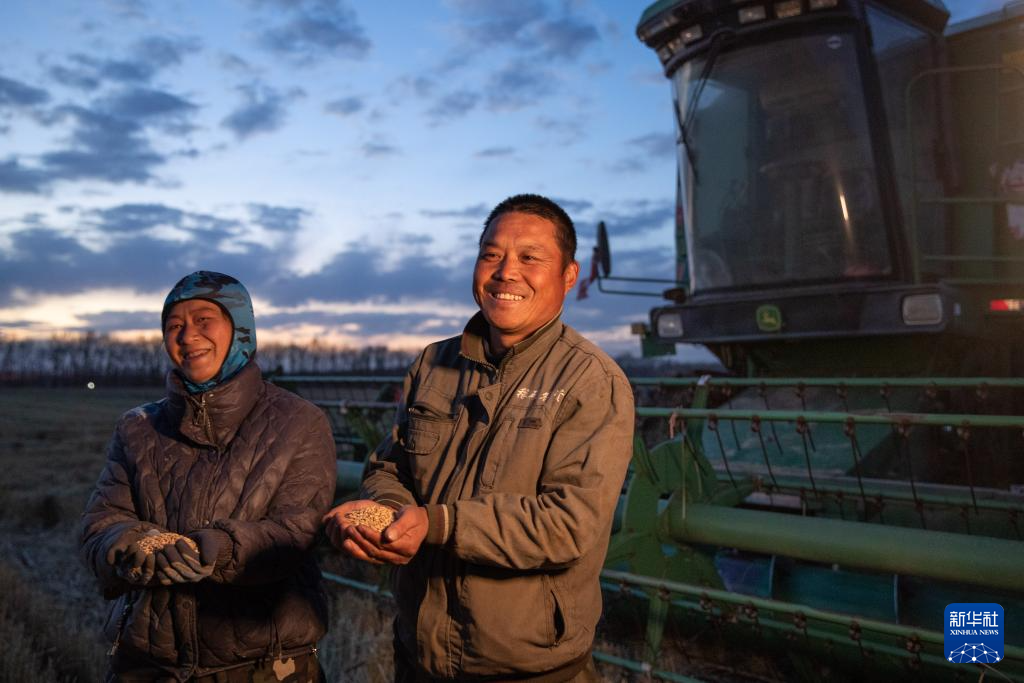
[{"x": 336, "y": 157}]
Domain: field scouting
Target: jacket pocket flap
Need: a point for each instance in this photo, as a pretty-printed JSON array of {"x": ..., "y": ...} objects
[{"x": 420, "y": 440}]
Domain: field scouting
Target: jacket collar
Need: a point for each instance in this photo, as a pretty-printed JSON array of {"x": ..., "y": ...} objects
[
  {"x": 212, "y": 417},
  {"x": 519, "y": 355}
]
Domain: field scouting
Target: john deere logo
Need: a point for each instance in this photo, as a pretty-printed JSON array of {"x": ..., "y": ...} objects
[{"x": 769, "y": 318}]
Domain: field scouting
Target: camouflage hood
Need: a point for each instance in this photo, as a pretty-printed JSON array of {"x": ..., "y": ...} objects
[{"x": 229, "y": 293}]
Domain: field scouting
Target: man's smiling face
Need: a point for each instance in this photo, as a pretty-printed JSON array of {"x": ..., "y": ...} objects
[{"x": 520, "y": 279}]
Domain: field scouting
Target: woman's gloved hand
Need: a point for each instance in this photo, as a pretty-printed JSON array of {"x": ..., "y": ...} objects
[
  {"x": 120, "y": 546},
  {"x": 180, "y": 563},
  {"x": 132, "y": 563}
]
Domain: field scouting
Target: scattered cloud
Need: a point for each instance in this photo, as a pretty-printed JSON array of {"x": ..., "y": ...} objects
[
  {"x": 645, "y": 151},
  {"x": 146, "y": 58},
  {"x": 452, "y": 106},
  {"x": 237, "y": 65},
  {"x": 102, "y": 147},
  {"x": 16, "y": 95},
  {"x": 517, "y": 85},
  {"x": 344, "y": 106},
  {"x": 358, "y": 274},
  {"x": 483, "y": 22},
  {"x": 529, "y": 27},
  {"x": 565, "y": 131},
  {"x": 106, "y": 140},
  {"x": 148, "y": 105},
  {"x": 378, "y": 149},
  {"x": 527, "y": 36},
  {"x": 124, "y": 71},
  {"x": 45, "y": 261},
  {"x": 128, "y": 218},
  {"x": 476, "y": 212},
  {"x": 574, "y": 206},
  {"x": 17, "y": 178},
  {"x": 278, "y": 218},
  {"x": 495, "y": 152},
  {"x": 263, "y": 110},
  {"x": 564, "y": 38},
  {"x": 384, "y": 322},
  {"x": 420, "y": 239},
  {"x": 656, "y": 145},
  {"x": 637, "y": 216},
  {"x": 75, "y": 77},
  {"x": 314, "y": 30},
  {"x": 114, "y": 321},
  {"x": 629, "y": 164},
  {"x": 139, "y": 218},
  {"x": 129, "y": 9},
  {"x": 160, "y": 52},
  {"x": 421, "y": 87}
]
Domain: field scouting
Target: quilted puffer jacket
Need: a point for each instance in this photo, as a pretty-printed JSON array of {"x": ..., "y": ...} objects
[{"x": 250, "y": 459}]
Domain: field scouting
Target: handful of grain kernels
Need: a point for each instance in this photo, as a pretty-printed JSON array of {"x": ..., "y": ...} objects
[
  {"x": 150, "y": 544},
  {"x": 375, "y": 516}
]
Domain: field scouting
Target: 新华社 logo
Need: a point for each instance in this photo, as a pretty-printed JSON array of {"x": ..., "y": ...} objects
[{"x": 974, "y": 633}]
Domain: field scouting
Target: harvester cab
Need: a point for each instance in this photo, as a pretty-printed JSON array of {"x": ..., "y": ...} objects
[
  {"x": 846, "y": 172},
  {"x": 850, "y": 245}
]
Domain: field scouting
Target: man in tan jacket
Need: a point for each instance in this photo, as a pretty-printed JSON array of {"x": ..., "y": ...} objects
[{"x": 505, "y": 463}]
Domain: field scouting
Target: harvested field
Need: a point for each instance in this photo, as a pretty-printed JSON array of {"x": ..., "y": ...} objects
[{"x": 52, "y": 447}]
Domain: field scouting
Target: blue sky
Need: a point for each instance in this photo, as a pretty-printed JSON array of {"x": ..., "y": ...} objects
[{"x": 336, "y": 157}]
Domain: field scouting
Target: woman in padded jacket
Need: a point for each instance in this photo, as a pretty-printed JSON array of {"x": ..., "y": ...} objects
[{"x": 243, "y": 471}]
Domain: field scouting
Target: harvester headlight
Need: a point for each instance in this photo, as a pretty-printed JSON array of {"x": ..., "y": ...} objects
[
  {"x": 691, "y": 34},
  {"x": 787, "y": 9},
  {"x": 922, "y": 309},
  {"x": 673, "y": 46},
  {"x": 670, "y": 325},
  {"x": 748, "y": 15},
  {"x": 823, "y": 4}
]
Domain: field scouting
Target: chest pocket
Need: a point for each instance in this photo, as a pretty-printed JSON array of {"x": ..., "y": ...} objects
[
  {"x": 422, "y": 436},
  {"x": 427, "y": 433},
  {"x": 515, "y": 453}
]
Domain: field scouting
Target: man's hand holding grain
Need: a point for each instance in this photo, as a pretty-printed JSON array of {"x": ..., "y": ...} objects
[{"x": 375, "y": 533}]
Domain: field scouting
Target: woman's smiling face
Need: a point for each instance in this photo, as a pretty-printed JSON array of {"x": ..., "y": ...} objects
[{"x": 197, "y": 337}]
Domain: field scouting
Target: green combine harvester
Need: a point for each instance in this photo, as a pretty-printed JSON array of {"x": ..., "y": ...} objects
[{"x": 850, "y": 245}]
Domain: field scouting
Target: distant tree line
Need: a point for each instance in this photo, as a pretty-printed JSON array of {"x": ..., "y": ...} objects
[{"x": 100, "y": 359}]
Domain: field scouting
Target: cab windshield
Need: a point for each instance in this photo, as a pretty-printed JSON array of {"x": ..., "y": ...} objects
[{"x": 779, "y": 183}]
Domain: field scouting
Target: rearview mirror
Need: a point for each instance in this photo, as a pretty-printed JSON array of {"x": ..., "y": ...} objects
[{"x": 603, "y": 251}]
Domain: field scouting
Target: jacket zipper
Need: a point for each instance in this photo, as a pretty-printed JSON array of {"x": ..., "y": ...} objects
[
  {"x": 190, "y": 601},
  {"x": 122, "y": 622}
]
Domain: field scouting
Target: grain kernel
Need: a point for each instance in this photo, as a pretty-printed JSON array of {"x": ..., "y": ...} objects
[
  {"x": 376, "y": 517},
  {"x": 150, "y": 544}
]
